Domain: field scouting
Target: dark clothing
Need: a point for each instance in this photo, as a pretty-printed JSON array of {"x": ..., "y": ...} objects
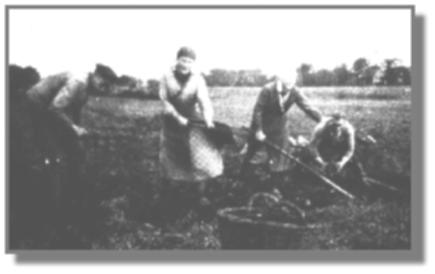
[
  {"x": 352, "y": 177},
  {"x": 270, "y": 115},
  {"x": 57, "y": 101},
  {"x": 181, "y": 78},
  {"x": 332, "y": 150},
  {"x": 51, "y": 135},
  {"x": 55, "y": 104},
  {"x": 61, "y": 163},
  {"x": 61, "y": 95}
]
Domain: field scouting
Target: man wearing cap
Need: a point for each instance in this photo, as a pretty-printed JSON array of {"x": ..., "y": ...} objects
[
  {"x": 270, "y": 121},
  {"x": 55, "y": 105}
]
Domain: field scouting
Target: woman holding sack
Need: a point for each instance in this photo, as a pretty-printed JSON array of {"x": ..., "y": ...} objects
[{"x": 187, "y": 153}]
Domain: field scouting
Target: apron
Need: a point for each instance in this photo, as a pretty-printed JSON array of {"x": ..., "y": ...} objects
[{"x": 186, "y": 153}]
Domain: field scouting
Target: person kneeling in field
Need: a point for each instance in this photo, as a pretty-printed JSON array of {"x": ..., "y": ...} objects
[{"x": 333, "y": 145}]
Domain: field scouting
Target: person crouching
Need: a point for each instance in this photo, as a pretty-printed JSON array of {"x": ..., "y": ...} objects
[{"x": 333, "y": 146}]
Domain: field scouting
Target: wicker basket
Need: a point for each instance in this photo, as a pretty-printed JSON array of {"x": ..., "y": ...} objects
[{"x": 237, "y": 231}]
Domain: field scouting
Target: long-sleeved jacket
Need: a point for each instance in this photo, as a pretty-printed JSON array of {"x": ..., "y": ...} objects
[
  {"x": 270, "y": 116},
  {"x": 60, "y": 94}
]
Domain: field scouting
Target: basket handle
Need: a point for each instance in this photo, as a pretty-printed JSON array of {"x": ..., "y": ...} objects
[
  {"x": 300, "y": 211},
  {"x": 253, "y": 197},
  {"x": 276, "y": 199}
]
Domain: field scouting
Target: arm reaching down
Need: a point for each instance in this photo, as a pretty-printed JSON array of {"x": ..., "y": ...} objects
[
  {"x": 349, "y": 130},
  {"x": 68, "y": 96},
  {"x": 168, "y": 108},
  {"x": 303, "y": 104},
  {"x": 258, "y": 115},
  {"x": 315, "y": 141}
]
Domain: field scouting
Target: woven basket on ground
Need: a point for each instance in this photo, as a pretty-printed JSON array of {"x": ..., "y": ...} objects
[{"x": 238, "y": 230}]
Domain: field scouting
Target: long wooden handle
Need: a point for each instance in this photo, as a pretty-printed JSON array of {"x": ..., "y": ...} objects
[
  {"x": 320, "y": 176},
  {"x": 384, "y": 185}
]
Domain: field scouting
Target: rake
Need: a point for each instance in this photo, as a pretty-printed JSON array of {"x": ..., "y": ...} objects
[{"x": 225, "y": 133}]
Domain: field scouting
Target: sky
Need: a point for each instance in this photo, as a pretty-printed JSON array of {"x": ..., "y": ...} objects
[{"x": 143, "y": 43}]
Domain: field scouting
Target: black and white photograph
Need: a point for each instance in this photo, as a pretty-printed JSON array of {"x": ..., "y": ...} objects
[{"x": 224, "y": 128}]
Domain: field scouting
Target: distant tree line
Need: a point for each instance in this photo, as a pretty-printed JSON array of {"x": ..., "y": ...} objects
[
  {"x": 362, "y": 73},
  {"x": 110, "y": 84},
  {"x": 236, "y": 78}
]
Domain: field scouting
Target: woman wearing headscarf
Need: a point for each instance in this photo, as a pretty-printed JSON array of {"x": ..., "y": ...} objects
[{"x": 186, "y": 152}]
